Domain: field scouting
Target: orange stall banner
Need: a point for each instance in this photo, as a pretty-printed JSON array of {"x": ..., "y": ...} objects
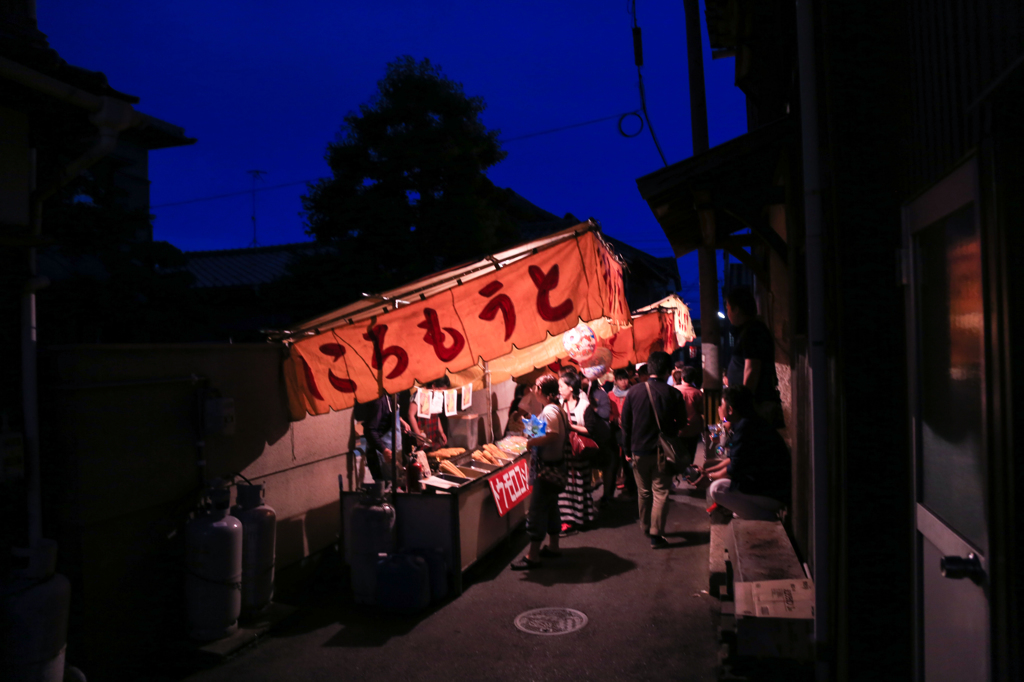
[
  {"x": 483, "y": 315},
  {"x": 651, "y": 331}
]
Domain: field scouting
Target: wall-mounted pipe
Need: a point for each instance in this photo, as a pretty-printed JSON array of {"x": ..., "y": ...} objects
[{"x": 813, "y": 220}]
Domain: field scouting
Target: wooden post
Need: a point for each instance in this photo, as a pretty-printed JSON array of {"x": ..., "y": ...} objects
[
  {"x": 709, "y": 330},
  {"x": 695, "y": 60},
  {"x": 707, "y": 268}
]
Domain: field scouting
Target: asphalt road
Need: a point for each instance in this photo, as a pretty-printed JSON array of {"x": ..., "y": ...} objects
[{"x": 650, "y": 618}]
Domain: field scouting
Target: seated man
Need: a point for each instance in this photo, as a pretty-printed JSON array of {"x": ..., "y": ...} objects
[{"x": 755, "y": 483}]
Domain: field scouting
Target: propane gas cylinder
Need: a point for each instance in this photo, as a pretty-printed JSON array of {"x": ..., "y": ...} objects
[
  {"x": 369, "y": 536},
  {"x": 34, "y": 618},
  {"x": 213, "y": 580},
  {"x": 259, "y": 532}
]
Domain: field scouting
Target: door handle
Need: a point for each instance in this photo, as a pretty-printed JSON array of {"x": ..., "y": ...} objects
[{"x": 958, "y": 568}]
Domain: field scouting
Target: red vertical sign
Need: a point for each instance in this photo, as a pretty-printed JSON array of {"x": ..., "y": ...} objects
[{"x": 509, "y": 486}]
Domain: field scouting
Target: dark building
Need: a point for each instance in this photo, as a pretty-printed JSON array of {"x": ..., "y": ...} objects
[{"x": 880, "y": 180}]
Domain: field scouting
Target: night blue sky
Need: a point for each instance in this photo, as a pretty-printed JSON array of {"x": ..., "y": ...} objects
[{"x": 264, "y": 85}]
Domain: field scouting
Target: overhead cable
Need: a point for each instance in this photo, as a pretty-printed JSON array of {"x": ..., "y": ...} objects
[
  {"x": 622, "y": 117},
  {"x": 638, "y": 59}
]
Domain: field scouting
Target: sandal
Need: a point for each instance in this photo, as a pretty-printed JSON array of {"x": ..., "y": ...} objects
[
  {"x": 548, "y": 553},
  {"x": 525, "y": 564}
]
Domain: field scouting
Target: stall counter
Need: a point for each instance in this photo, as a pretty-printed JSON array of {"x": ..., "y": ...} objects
[{"x": 464, "y": 521}]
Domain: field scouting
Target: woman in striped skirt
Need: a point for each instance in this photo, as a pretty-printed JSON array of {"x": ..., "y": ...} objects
[{"x": 575, "y": 503}]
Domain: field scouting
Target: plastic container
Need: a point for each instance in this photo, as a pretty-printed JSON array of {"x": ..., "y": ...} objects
[
  {"x": 403, "y": 583},
  {"x": 259, "y": 536},
  {"x": 438, "y": 567}
]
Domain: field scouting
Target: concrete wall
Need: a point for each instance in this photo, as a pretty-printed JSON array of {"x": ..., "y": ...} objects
[
  {"x": 122, "y": 473},
  {"x": 124, "y": 417}
]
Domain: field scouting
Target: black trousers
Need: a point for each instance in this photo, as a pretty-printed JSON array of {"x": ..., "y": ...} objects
[{"x": 615, "y": 462}]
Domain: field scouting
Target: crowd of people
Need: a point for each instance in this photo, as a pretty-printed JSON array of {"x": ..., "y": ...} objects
[
  {"x": 613, "y": 433},
  {"x": 628, "y": 423}
]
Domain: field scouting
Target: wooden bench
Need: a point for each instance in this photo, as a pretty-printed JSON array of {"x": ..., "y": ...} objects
[
  {"x": 760, "y": 551},
  {"x": 763, "y": 552}
]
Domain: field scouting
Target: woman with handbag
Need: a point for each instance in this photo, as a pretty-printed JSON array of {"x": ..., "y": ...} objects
[
  {"x": 576, "y": 503},
  {"x": 547, "y": 476}
]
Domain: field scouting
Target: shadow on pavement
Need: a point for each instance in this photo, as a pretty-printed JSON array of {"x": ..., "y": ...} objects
[
  {"x": 497, "y": 560},
  {"x": 579, "y": 565},
  {"x": 367, "y": 626},
  {"x": 621, "y": 512},
  {"x": 685, "y": 538},
  {"x": 359, "y": 625}
]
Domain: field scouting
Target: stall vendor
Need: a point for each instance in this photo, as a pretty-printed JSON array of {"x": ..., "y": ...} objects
[
  {"x": 379, "y": 420},
  {"x": 428, "y": 431}
]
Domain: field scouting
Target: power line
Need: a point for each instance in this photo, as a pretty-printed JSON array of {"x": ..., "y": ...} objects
[
  {"x": 256, "y": 175},
  {"x": 578, "y": 125},
  {"x": 231, "y": 194},
  {"x": 638, "y": 59},
  {"x": 228, "y": 195}
]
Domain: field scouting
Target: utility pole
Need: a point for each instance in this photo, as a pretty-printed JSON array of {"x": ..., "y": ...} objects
[
  {"x": 707, "y": 270},
  {"x": 256, "y": 175}
]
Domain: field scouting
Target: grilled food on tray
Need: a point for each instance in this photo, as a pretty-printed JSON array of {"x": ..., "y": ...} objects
[
  {"x": 495, "y": 451},
  {"x": 449, "y": 468},
  {"x": 447, "y": 453},
  {"x": 487, "y": 458}
]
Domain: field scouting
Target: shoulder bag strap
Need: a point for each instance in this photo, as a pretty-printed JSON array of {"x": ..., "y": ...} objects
[
  {"x": 651, "y": 396},
  {"x": 564, "y": 419}
]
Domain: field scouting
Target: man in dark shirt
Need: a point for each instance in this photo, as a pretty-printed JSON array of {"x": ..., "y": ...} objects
[
  {"x": 753, "y": 357},
  {"x": 754, "y": 482},
  {"x": 640, "y": 438}
]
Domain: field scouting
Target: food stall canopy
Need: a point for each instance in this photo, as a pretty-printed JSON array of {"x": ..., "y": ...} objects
[
  {"x": 678, "y": 313},
  {"x": 453, "y": 320},
  {"x": 664, "y": 325}
]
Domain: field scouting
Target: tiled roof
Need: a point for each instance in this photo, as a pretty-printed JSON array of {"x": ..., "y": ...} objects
[
  {"x": 243, "y": 267},
  {"x": 22, "y": 42}
]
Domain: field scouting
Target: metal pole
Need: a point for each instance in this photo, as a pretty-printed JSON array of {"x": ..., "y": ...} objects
[
  {"x": 813, "y": 219},
  {"x": 394, "y": 451},
  {"x": 30, "y": 403},
  {"x": 488, "y": 423}
]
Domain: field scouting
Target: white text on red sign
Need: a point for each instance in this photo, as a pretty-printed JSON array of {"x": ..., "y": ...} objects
[{"x": 509, "y": 487}]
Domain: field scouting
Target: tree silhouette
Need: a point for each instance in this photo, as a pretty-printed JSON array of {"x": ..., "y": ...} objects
[{"x": 408, "y": 194}]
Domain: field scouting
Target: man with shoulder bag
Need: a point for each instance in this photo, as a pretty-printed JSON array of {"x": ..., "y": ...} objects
[{"x": 652, "y": 413}]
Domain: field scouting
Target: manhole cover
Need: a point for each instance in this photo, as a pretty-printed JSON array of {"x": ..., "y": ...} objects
[{"x": 551, "y": 621}]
